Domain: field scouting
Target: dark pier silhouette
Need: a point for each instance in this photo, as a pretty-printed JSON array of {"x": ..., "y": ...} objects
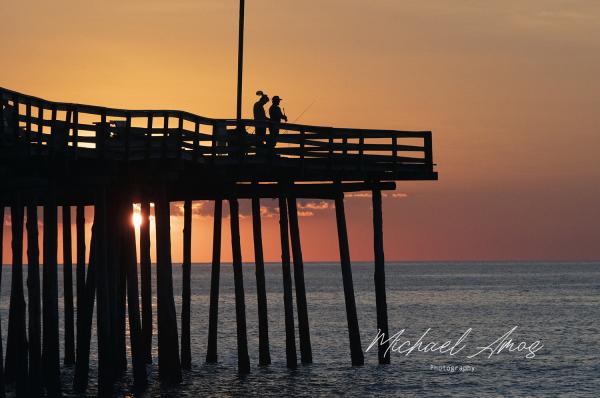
[{"x": 60, "y": 154}]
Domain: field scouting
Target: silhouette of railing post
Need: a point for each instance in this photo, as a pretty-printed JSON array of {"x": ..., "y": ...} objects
[
  {"x": 353, "y": 331},
  {"x": 264, "y": 355},
  {"x": 288, "y": 304},
  {"x": 379, "y": 277},
  {"x": 303, "y": 327},
  {"x": 33, "y": 288},
  {"x": 213, "y": 317}
]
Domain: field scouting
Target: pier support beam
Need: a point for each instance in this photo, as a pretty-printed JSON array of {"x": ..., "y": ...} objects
[
  {"x": 84, "y": 330},
  {"x": 50, "y": 339},
  {"x": 138, "y": 360},
  {"x": 186, "y": 352},
  {"x": 213, "y": 317},
  {"x": 303, "y": 328},
  {"x": 356, "y": 352},
  {"x": 2, "y": 390},
  {"x": 33, "y": 288},
  {"x": 16, "y": 368},
  {"x": 238, "y": 277},
  {"x": 146, "y": 281},
  {"x": 80, "y": 271},
  {"x": 379, "y": 276},
  {"x": 169, "y": 366},
  {"x": 264, "y": 355},
  {"x": 288, "y": 304},
  {"x": 105, "y": 319},
  {"x": 68, "y": 288}
]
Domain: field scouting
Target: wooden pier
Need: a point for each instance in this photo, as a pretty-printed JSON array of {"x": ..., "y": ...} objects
[{"x": 60, "y": 154}]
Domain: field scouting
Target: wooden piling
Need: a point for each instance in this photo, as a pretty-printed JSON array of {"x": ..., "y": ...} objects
[
  {"x": 138, "y": 360},
  {"x": 84, "y": 333},
  {"x": 2, "y": 390},
  {"x": 80, "y": 270},
  {"x": 264, "y": 355},
  {"x": 33, "y": 289},
  {"x": 356, "y": 352},
  {"x": 117, "y": 276},
  {"x": 50, "y": 339},
  {"x": 16, "y": 367},
  {"x": 379, "y": 277},
  {"x": 146, "y": 281},
  {"x": 303, "y": 328},
  {"x": 68, "y": 288},
  {"x": 213, "y": 315},
  {"x": 169, "y": 366},
  {"x": 186, "y": 351},
  {"x": 288, "y": 304},
  {"x": 238, "y": 277},
  {"x": 104, "y": 318}
]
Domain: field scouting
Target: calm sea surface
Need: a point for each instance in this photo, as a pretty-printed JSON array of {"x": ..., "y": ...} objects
[{"x": 558, "y": 304}]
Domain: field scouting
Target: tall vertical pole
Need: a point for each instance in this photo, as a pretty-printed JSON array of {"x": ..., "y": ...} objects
[
  {"x": 80, "y": 271},
  {"x": 240, "y": 60},
  {"x": 2, "y": 392}
]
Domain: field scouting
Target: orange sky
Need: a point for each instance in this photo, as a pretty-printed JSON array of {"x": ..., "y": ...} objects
[{"x": 510, "y": 90}]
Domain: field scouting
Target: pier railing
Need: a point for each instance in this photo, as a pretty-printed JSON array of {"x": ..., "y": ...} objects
[{"x": 89, "y": 131}]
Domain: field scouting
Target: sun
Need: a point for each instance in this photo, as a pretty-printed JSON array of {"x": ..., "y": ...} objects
[{"x": 136, "y": 219}]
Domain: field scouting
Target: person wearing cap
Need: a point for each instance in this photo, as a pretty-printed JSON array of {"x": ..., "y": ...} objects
[
  {"x": 260, "y": 116},
  {"x": 276, "y": 116}
]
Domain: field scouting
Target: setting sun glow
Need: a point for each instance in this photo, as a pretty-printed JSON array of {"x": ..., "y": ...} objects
[{"x": 136, "y": 219}]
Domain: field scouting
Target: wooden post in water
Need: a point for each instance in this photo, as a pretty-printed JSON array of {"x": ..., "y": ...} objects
[
  {"x": 146, "y": 281},
  {"x": 379, "y": 276},
  {"x": 288, "y": 303},
  {"x": 80, "y": 270},
  {"x": 356, "y": 352},
  {"x": 264, "y": 355},
  {"x": 303, "y": 329},
  {"x": 68, "y": 288},
  {"x": 169, "y": 366},
  {"x": 117, "y": 275},
  {"x": 33, "y": 288},
  {"x": 104, "y": 322},
  {"x": 186, "y": 353},
  {"x": 213, "y": 315},
  {"x": 84, "y": 334},
  {"x": 50, "y": 339},
  {"x": 16, "y": 343},
  {"x": 238, "y": 277},
  {"x": 2, "y": 391},
  {"x": 138, "y": 360}
]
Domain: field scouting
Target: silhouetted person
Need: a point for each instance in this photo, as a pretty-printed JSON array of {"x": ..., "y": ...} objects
[
  {"x": 276, "y": 116},
  {"x": 260, "y": 116}
]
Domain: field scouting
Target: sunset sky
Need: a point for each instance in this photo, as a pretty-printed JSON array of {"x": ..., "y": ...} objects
[{"x": 510, "y": 89}]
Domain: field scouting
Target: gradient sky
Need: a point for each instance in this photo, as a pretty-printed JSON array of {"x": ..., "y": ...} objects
[{"x": 510, "y": 90}]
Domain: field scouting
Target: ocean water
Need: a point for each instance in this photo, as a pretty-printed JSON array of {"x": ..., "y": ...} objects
[{"x": 557, "y": 304}]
